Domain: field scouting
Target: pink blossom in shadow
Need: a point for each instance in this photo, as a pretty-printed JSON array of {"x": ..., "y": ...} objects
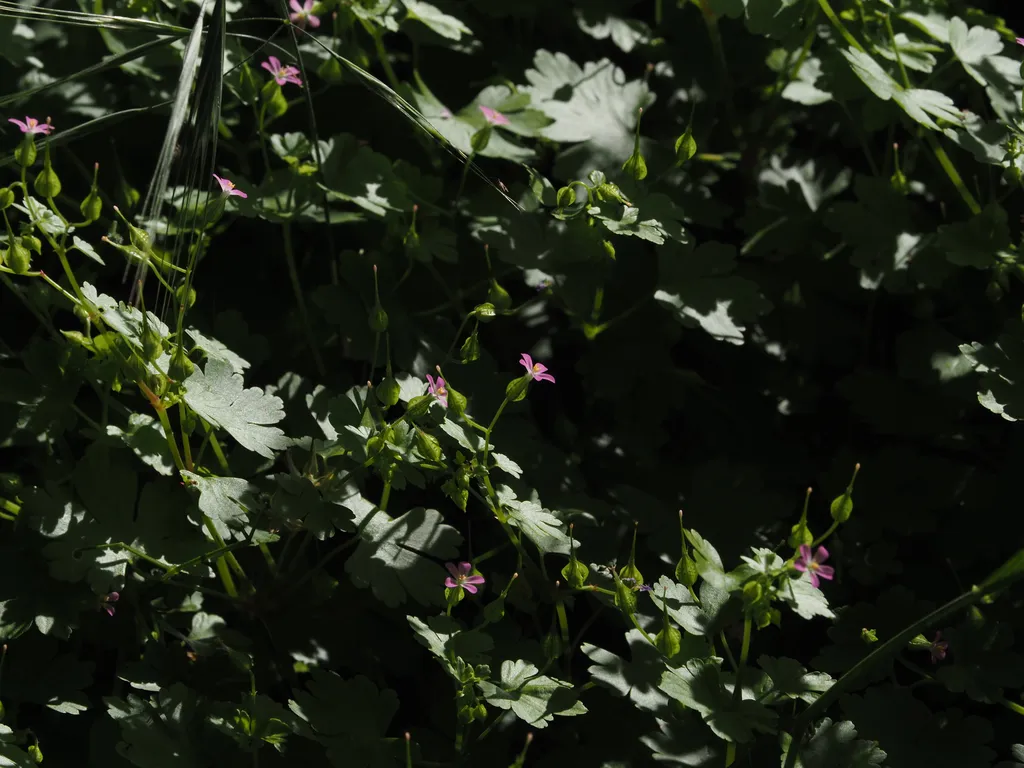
[
  {"x": 228, "y": 187},
  {"x": 461, "y": 577},
  {"x": 436, "y": 388},
  {"x": 493, "y": 116},
  {"x": 303, "y": 14},
  {"x": 31, "y": 125},
  {"x": 813, "y": 565},
  {"x": 108, "y": 602},
  {"x": 534, "y": 370},
  {"x": 282, "y": 73}
]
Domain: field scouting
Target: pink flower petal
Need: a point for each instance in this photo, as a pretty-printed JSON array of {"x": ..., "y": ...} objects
[
  {"x": 821, "y": 555},
  {"x": 295, "y": 6},
  {"x": 314, "y": 22},
  {"x": 826, "y": 572},
  {"x": 475, "y": 578},
  {"x": 814, "y": 579},
  {"x": 464, "y": 569},
  {"x": 493, "y": 116},
  {"x": 452, "y": 569},
  {"x": 469, "y": 588},
  {"x": 1020, "y": 41},
  {"x": 544, "y": 377},
  {"x": 805, "y": 553},
  {"x": 451, "y": 583},
  {"x": 527, "y": 362},
  {"x": 800, "y": 565}
]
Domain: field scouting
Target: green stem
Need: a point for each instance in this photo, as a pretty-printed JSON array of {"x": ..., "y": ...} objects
[
  {"x": 840, "y": 28},
  {"x": 826, "y": 534},
  {"x": 951, "y": 172},
  {"x": 490, "y": 429},
  {"x": 293, "y": 276},
  {"x": 737, "y": 692},
  {"x": 184, "y": 437},
  {"x": 220, "y": 562}
]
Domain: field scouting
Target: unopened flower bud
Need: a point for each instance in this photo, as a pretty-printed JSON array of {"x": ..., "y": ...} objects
[
  {"x": 516, "y": 389},
  {"x": 479, "y": 140},
  {"x": 185, "y": 300},
  {"x": 47, "y": 184},
  {"x": 498, "y": 296},
  {"x": 428, "y": 445},
  {"x": 25, "y": 154},
  {"x": 575, "y": 574},
  {"x": 389, "y": 391},
  {"x": 33, "y": 243},
  {"x": 669, "y": 640},
  {"x": 152, "y": 344},
  {"x": 18, "y": 257},
  {"x": 470, "y": 350},
  {"x": 566, "y": 197},
  {"x": 6, "y": 198},
  {"x": 181, "y": 367}
]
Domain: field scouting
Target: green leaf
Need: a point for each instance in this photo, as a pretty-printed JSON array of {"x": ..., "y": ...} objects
[
  {"x": 534, "y": 698},
  {"x": 806, "y": 600},
  {"x": 682, "y": 608},
  {"x": 218, "y": 395},
  {"x": 120, "y": 317},
  {"x": 441, "y": 23},
  {"x": 973, "y": 46},
  {"x": 540, "y": 526},
  {"x": 835, "y": 745},
  {"x": 397, "y": 558},
  {"x": 594, "y": 103},
  {"x": 145, "y": 436},
  {"x": 696, "y": 285},
  {"x": 227, "y": 501},
  {"x": 38, "y": 673},
  {"x": 156, "y": 734},
  {"x": 1001, "y": 369},
  {"x": 637, "y": 678},
  {"x": 442, "y": 635},
  {"x": 10, "y": 755},
  {"x": 911, "y": 734},
  {"x": 698, "y": 685},
  {"x": 978, "y": 242},
  {"x": 505, "y": 464},
  {"x": 920, "y": 104},
  {"x": 354, "y": 172},
  {"x": 349, "y": 717},
  {"x": 790, "y": 680}
]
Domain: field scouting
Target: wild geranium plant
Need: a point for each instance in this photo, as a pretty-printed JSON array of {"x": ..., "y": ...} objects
[{"x": 357, "y": 359}]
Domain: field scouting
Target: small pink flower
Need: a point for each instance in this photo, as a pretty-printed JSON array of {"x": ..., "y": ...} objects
[
  {"x": 31, "y": 125},
  {"x": 228, "y": 187},
  {"x": 535, "y": 370},
  {"x": 813, "y": 565},
  {"x": 282, "y": 73},
  {"x": 446, "y": 113},
  {"x": 460, "y": 577},
  {"x": 436, "y": 387},
  {"x": 493, "y": 116},
  {"x": 939, "y": 646},
  {"x": 1020, "y": 41},
  {"x": 108, "y": 602},
  {"x": 303, "y": 14}
]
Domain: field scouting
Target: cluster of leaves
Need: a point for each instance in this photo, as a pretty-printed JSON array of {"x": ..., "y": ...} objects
[{"x": 249, "y": 496}]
